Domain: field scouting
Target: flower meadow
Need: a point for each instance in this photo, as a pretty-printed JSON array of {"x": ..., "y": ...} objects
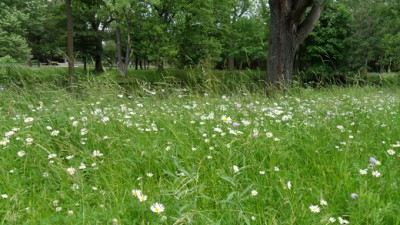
[{"x": 172, "y": 156}]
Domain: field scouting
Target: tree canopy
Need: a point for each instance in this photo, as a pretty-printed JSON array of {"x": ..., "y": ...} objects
[{"x": 223, "y": 34}]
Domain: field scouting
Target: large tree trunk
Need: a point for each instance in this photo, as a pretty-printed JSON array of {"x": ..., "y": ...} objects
[
  {"x": 282, "y": 50},
  {"x": 70, "y": 43},
  {"x": 288, "y": 30}
]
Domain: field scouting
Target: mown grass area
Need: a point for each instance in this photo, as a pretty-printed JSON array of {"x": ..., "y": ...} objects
[{"x": 107, "y": 154}]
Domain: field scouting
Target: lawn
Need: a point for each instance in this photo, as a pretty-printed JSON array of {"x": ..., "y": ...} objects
[{"x": 167, "y": 155}]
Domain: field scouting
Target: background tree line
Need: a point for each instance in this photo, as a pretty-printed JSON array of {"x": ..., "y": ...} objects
[{"x": 352, "y": 35}]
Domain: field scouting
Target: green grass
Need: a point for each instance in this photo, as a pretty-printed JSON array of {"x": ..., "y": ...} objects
[{"x": 173, "y": 145}]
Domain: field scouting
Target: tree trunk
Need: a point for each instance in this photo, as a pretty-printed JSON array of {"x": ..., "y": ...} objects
[
  {"x": 282, "y": 50},
  {"x": 70, "y": 43},
  {"x": 231, "y": 62},
  {"x": 128, "y": 48},
  {"x": 119, "y": 50},
  {"x": 136, "y": 62},
  {"x": 291, "y": 23},
  {"x": 98, "y": 57}
]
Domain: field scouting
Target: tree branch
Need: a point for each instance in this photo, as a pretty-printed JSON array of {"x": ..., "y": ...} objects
[
  {"x": 300, "y": 8},
  {"x": 309, "y": 22}
]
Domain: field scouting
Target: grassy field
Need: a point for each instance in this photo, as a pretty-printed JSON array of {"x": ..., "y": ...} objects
[{"x": 160, "y": 154}]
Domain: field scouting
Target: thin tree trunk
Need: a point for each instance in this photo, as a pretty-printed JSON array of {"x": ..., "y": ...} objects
[
  {"x": 119, "y": 50},
  {"x": 136, "y": 62},
  {"x": 98, "y": 57},
  {"x": 128, "y": 48},
  {"x": 231, "y": 62},
  {"x": 70, "y": 43}
]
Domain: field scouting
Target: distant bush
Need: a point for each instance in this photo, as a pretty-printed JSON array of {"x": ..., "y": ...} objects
[
  {"x": 321, "y": 76},
  {"x": 7, "y": 59}
]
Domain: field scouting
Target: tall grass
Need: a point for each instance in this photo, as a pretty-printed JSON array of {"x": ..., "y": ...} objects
[{"x": 215, "y": 156}]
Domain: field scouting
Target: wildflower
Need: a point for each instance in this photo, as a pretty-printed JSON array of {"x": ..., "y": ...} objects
[
  {"x": 28, "y": 119},
  {"x": 235, "y": 169},
  {"x": 105, "y": 119},
  {"x": 397, "y": 145},
  {"x": 332, "y": 219},
  {"x": 75, "y": 187},
  {"x": 71, "y": 170},
  {"x": 51, "y": 156},
  {"x": 58, "y": 209},
  {"x": 354, "y": 195},
  {"x": 84, "y": 131},
  {"x": 315, "y": 209},
  {"x": 262, "y": 172},
  {"x": 149, "y": 174},
  {"x": 376, "y": 174},
  {"x": 55, "y": 202},
  {"x": 55, "y": 133},
  {"x": 5, "y": 141},
  {"x": 29, "y": 141},
  {"x": 286, "y": 118},
  {"x": 70, "y": 212},
  {"x": 142, "y": 197},
  {"x": 97, "y": 153},
  {"x": 323, "y": 202},
  {"x": 253, "y": 218},
  {"x": 372, "y": 160},
  {"x": 289, "y": 185},
  {"x": 136, "y": 192},
  {"x": 82, "y": 166},
  {"x": 235, "y": 124},
  {"x": 363, "y": 172},
  {"x": 391, "y": 152},
  {"x": 254, "y": 192},
  {"x": 343, "y": 221},
  {"x": 75, "y": 123},
  {"x": 157, "y": 208},
  {"x": 4, "y": 196},
  {"x": 21, "y": 153},
  {"x": 46, "y": 174},
  {"x": 276, "y": 169},
  {"x": 226, "y": 119},
  {"x": 114, "y": 221},
  {"x": 269, "y": 135},
  {"x": 10, "y": 133},
  {"x": 341, "y": 128},
  {"x": 69, "y": 157}
]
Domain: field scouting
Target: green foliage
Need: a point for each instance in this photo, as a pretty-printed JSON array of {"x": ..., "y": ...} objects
[
  {"x": 323, "y": 53},
  {"x": 12, "y": 32},
  {"x": 374, "y": 39},
  {"x": 7, "y": 59}
]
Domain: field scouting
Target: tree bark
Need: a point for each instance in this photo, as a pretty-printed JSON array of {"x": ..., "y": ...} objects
[
  {"x": 119, "y": 50},
  {"x": 128, "y": 48},
  {"x": 231, "y": 63},
  {"x": 70, "y": 43},
  {"x": 287, "y": 31},
  {"x": 98, "y": 57}
]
